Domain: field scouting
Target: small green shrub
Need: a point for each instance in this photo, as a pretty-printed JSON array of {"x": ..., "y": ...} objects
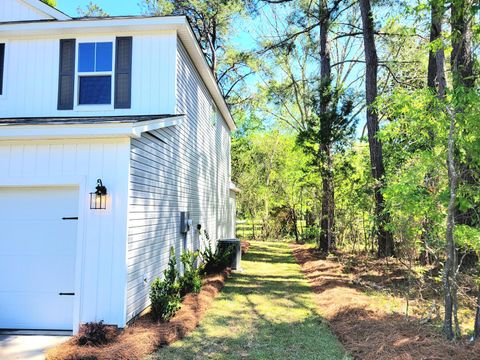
[
  {"x": 190, "y": 281},
  {"x": 165, "y": 294},
  {"x": 218, "y": 260}
]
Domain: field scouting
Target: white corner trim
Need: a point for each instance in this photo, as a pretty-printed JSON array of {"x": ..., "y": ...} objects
[
  {"x": 81, "y": 131},
  {"x": 47, "y": 9}
]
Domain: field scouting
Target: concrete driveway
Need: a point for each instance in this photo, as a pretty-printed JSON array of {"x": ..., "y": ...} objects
[{"x": 27, "y": 347}]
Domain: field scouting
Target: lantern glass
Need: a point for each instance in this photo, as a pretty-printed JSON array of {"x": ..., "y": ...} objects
[
  {"x": 98, "y": 198},
  {"x": 98, "y": 201}
]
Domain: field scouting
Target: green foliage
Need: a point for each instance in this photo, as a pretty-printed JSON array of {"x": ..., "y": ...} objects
[
  {"x": 190, "y": 281},
  {"x": 311, "y": 234},
  {"x": 91, "y": 10},
  {"x": 271, "y": 172},
  {"x": 52, "y": 3},
  {"x": 468, "y": 237},
  {"x": 165, "y": 294},
  {"x": 215, "y": 261}
]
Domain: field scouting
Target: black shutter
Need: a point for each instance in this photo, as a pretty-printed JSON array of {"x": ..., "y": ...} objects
[
  {"x": 66, "y": 77},
  {"x": 2, "y": 62},
  {"x": 123, "y": 73}
]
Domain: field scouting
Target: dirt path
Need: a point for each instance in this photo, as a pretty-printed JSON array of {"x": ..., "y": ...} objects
[{"x": 366, "y": 329}]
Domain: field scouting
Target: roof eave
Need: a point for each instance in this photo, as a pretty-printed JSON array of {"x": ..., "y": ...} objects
[{"x": 85, "y": 131}]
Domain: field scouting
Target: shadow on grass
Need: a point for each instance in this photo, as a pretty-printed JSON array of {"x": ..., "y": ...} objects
[{"x": 264, "y": 312}]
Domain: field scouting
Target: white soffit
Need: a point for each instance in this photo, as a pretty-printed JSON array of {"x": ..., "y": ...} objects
[{"x": 82, "y": 131}]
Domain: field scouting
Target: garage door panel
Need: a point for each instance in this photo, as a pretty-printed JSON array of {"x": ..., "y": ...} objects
[
  {"x": 34, "y": 273},
  {"x": 34, "y": 315},
  {"x": 38, "y": 203},
  {"x": 37, "y": 257},
  {"x": 30, "y": 238}
]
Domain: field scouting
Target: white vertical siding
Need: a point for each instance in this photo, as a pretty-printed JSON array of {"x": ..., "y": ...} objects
[
  {"x": 102, "y": 271},
  {"x": 181, "y": 168},
  {"x": 31, "y": 76},
  {"x": 17, "y": 10}
]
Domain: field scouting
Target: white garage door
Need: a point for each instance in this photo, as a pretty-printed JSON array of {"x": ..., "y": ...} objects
[{"x": 38, "y": 230}]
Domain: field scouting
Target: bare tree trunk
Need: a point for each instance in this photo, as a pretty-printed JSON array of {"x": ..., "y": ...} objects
[
  {"x": 385, "y": 238},
  {"x": 327, "y": 237},
  {"x": 331, "y": 204},
  {"x": 324, "y": 228},
  {"x": 449, "y": 271},
  {"x": 436, "y": 79},
  {"x": 476, "y": 329},
  {"x": 295, "y": 227},
  {"x": 463, "y": 80},
  {"x": 462, "y": 53}
]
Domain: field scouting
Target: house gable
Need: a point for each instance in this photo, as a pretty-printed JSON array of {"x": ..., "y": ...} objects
[{"x": 28, "y": 10}]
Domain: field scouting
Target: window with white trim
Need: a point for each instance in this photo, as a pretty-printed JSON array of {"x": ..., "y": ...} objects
[{"x": 95, "y": 73}]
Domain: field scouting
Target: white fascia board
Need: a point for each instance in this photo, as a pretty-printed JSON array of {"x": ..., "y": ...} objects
[
  {"x": 92, "y": 26},
  {"x": 80, "y": 131},
  {"x": 137, "y": 24},
  {"x": 47, "y": 9}
]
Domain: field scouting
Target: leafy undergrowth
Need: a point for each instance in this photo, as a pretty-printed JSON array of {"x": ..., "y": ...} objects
[
  {"x": 368, "y": 317},
  {"x": 265, "y": 312},
  {"x": 145, "y": 335}
]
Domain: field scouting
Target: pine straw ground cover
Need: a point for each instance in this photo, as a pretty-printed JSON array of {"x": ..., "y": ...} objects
[
  {"x": 265, "y": 312},
  {"x": 373, "y": 327},
  {"x": 145, "y": 335}
]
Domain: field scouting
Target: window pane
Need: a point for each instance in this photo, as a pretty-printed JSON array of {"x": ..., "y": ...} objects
[
  {"x": 86, "y": 57},
  {"x": 95, "y": 90},
  {"x": 104, "y": 56}
]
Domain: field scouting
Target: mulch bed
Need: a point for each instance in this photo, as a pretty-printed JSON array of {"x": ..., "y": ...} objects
[
  {"x": 365, "y": 330},
  {"x": 145, "y": 335}
]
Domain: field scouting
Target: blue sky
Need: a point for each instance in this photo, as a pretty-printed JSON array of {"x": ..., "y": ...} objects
[{"x": 112, "y": 7}]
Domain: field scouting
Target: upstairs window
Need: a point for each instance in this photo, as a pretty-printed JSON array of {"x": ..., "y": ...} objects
[
  {"x": 91, "y": 74},
  {"x": 95, "y": 64},
  {"x": 2, "y": 63}
]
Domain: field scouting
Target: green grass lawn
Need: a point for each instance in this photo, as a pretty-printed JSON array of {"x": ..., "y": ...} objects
[{"x": 265, "y": 312}]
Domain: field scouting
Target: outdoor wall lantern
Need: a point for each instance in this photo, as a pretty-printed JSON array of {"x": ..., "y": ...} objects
[{"x": 98, "y": 198}]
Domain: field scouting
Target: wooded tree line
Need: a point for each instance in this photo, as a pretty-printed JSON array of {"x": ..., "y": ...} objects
[
  {"x": 407, "y": 71},
  {"x": 413, "y": 76},
  {"x": 358, "y": 117}
]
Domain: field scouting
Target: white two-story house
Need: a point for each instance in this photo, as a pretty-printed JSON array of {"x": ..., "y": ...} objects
[{"x": 114, "y": 137}]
